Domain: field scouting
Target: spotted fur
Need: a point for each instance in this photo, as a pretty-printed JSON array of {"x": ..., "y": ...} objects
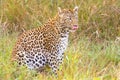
[{"x": 45, "y": 45}]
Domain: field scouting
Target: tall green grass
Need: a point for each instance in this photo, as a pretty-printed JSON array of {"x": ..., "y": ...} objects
[
  {"x": 83, "y": 61},
  {"x": 98, "y": 19}
]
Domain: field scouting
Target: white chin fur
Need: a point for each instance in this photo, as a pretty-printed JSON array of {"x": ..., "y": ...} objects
[{"x": 72, "y": 30}]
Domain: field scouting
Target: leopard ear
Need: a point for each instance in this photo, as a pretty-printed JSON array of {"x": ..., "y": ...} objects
[
  {"x": 59, "y": 10},
  {"x": 75, "y": 9}
]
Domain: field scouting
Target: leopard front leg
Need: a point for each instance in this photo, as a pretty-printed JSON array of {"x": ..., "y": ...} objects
[
  {"x": 60, "y": 59},
  {"x": 53, "y": 64}
]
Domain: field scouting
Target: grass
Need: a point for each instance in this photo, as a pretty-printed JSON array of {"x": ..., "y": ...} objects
[
  {"x": 83, "y": 61},
  {"x": 93, "y": 52},
  {"x": 98, "y": 19}
]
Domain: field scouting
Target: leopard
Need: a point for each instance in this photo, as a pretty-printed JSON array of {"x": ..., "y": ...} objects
[{"x": 45, "y": 45}]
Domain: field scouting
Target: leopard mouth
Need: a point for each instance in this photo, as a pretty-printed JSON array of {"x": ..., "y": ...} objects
[{"x": 75, "y": 27}]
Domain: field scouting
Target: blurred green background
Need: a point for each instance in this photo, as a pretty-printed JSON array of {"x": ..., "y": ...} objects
[{"x": 98, "y": 19}]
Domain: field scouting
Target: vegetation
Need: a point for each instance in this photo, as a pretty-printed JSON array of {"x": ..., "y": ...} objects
[{"x": 93, "y": 52}]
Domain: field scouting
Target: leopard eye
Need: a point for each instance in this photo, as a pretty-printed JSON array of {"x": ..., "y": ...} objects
[{"x": 69, "y": 19}]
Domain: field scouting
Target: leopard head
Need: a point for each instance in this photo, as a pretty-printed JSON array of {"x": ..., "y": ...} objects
[{"x": 68, "y": 18}]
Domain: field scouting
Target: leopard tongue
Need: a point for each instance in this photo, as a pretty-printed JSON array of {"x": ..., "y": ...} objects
[{"x": 75, "y": 27}]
